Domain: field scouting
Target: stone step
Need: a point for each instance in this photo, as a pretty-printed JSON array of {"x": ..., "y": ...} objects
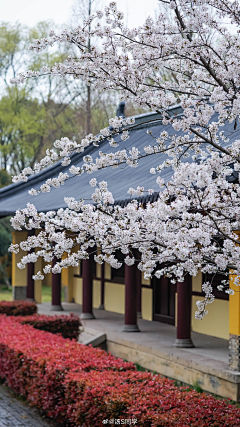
[{"x": 92, "y": 337}]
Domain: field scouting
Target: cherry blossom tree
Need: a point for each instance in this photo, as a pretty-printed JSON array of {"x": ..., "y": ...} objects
[{"x": 193, "y": 226}]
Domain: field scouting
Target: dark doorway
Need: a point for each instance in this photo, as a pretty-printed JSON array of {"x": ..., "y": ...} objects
[{"x": 164, "y": 300}]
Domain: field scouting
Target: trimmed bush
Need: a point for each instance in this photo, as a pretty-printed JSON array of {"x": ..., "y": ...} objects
[
  {"x": 35, "y": 363},
  {"x": 67, "y": 326},
  {"x": 147, "y": 400},
  {"x": 83, "y": 386},
  {"x": 18, "y": 308}
]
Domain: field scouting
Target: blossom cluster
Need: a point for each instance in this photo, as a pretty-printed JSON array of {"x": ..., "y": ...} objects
[{"x": 193, "y": 225}]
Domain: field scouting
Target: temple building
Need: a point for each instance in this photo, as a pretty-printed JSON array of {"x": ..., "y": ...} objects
[{"x": 121, "y": 290}]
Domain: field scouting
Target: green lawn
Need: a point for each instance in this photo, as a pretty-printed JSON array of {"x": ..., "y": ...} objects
[
  {"x": 47, "y": 294},
  {"x": 6, "y": 295}
]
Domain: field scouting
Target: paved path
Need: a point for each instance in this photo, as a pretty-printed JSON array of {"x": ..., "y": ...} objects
[
  {"x": 159, "y": 336},
  {"x": 14, "y": 413}
]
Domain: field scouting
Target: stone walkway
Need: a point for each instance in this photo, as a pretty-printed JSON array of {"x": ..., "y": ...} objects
[
  {"x": 14, "y": 413},
  {"x": 159, "y": 336}
]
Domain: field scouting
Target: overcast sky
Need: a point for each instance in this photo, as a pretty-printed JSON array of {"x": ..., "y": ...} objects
[{"x": 30, "y": 12}]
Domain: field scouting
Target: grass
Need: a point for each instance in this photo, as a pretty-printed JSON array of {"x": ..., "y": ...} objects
[
  {"x": 47, "y": 294},
  {"x": 6, "y": 294}
]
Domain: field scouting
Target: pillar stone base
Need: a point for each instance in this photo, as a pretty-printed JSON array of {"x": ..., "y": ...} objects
[
  {"x": 30, "y": 299},
  {"x": 139, "y": 315},
  {"x": 19, "y": 293},
  {"x": 130, "y": 328},
  {"x": 56, "y": 308},
  {"x": 183, "y": 343},
  {"x": 234, "y": 352},
  {"x": 101, "y": 307},
  {"x": 86, "y": 316}
]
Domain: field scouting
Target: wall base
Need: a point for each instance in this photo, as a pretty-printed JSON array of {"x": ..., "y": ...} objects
[
  {"x": 19, "y": 293},
  {"x": 222, "y": 383},
  {"x": 234, "y": 352}
]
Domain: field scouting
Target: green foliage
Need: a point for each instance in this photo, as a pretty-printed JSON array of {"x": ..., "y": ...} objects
[
  {"x": 6, "y": 293},
  {"x": 197, "y": 387},
  {"x": 40, "y": 110},
  {"x": 5, "y": 237},
  {"x": 21, "y": 125},
  {"x": 11, "y": 44},
  {"x": 140, "y": 368},
  {"x": 5, "y": 178}
]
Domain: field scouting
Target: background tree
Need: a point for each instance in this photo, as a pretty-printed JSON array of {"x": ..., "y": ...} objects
[
  {"x": 39, "y": 112},
  {"x": 42, "y": 110},
  {"x": 5, "y": 236},
  {"x": 194, "y": 225}
]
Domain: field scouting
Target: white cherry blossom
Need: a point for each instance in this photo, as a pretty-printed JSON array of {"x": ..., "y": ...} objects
[{"x": 193, "y": 223}]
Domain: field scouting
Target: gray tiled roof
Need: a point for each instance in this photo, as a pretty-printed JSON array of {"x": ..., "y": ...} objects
[{"x": 119, "y": 180}]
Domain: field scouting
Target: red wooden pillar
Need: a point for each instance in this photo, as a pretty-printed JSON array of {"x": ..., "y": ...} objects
[
  {"x": 184, "y": 302},
  {"x": 30, "y": 274},
  {"x": 130, "y": 299},
  {"x": 56, "y": 290},
  {"x": 87, "y": 288},
  {"x": 30, "y": 281},
  {"x": 101, "y": 307},
  {"x": 139, "y": 293}
]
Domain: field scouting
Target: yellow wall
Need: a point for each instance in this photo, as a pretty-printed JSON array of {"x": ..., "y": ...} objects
[
  {"x": 216, "y": 322},
  {"x": 67, "y": 281},
  {"x": 147, "y": 302},
  {"x": 77, "y": 289},
  {"x": 145, "y": 281},
  {"x": 98, "y": 270},
  {"x": 234, "y": 308},
  {"x": 107, "y": 271},
  {"x": 98, "y": 266},
  {"x": 114, "y": 297},
  {"x": 197, "y": 282},
  {"x": 38, "y": 283},
  {"x": 19, "y": 277},
  {"x": 47, "y": 281},
  {"x": 96, "y": 293},
  {"x": 76, "y": 269}
]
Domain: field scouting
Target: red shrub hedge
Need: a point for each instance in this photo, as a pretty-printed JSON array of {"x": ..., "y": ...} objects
[
  {"x": 67, "y": 326},
  {"x": 149, "y": 399},
  {"x": 83, "y": 386},
  {"x": 18, "y": 308}
]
